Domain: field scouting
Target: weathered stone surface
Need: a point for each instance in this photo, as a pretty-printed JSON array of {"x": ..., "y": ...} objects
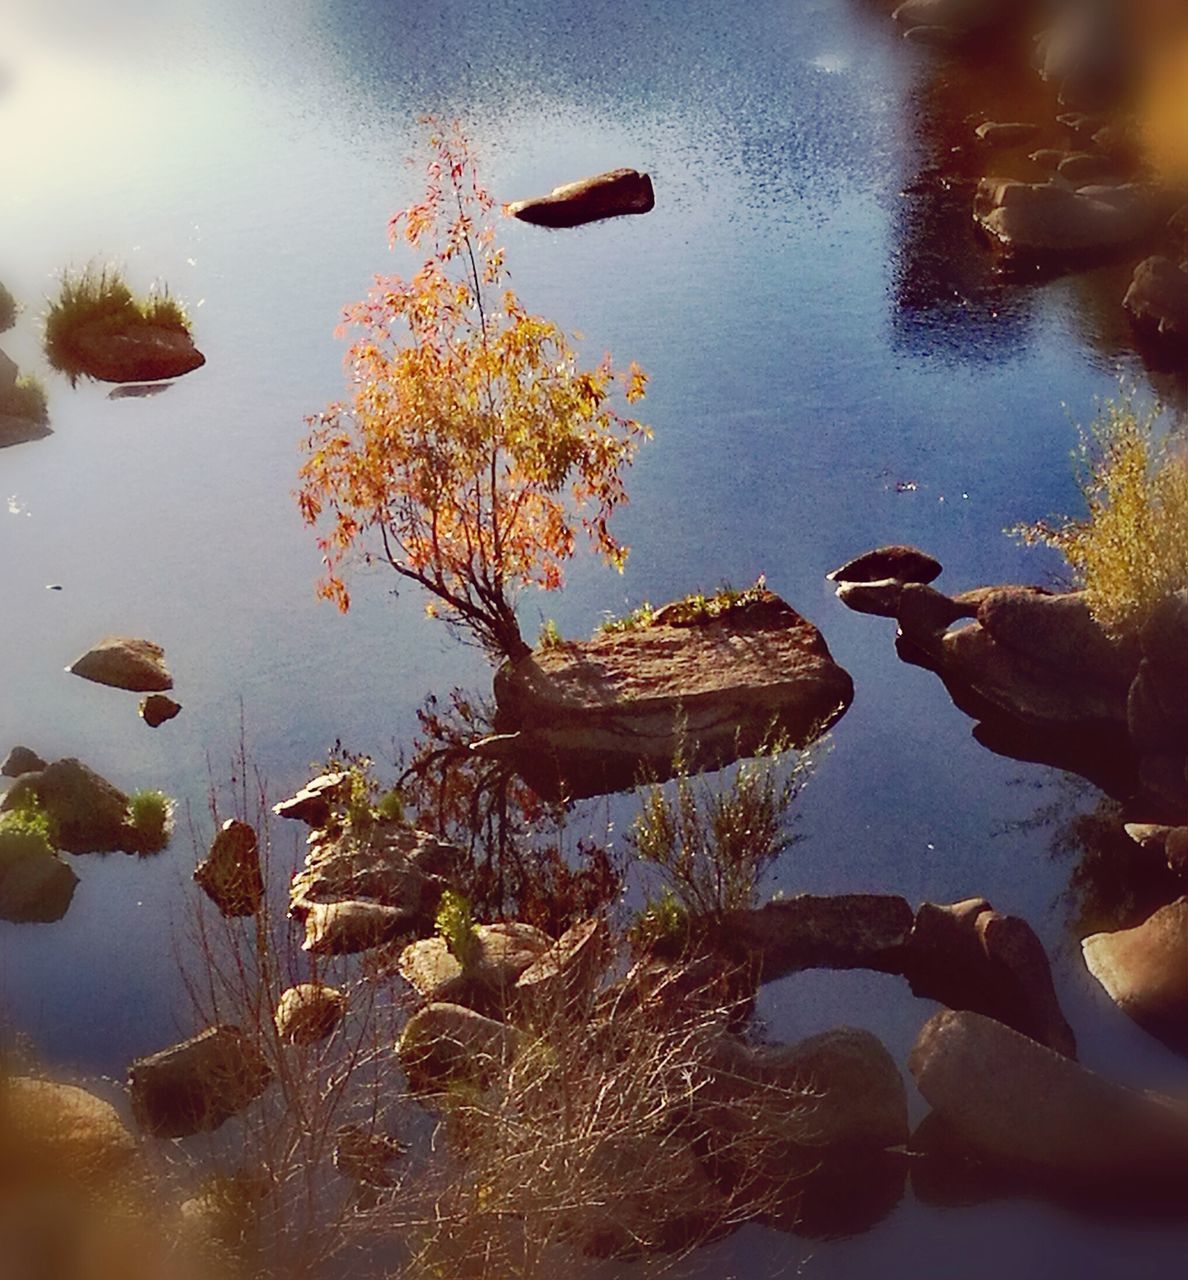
[
  {"x": 36, "y": 886},
  {"x": 607, "y": 195},
  {"x": 593, "y": 716},
  {"x": 502, "y": 953},
  {"x": 16, "y": 429},
  {"x": 157, "y": 708},
  {"x": 125, "y": 663},
  {"x": 1157, "y": 298},
  {"x": 1044, "y": 219},
  {"x": 970, "y": 956},
  {"x": 89, "y": 815},
  {"x": 840, "y": 931},
  {"x": 230, "y": 873},
  {"x": 442, "y": 1043},
  {"x": 312, "y": 804},
  {"x": 568, "y": 972},
  {"x": 1047, "y": 157},
  {"x": 1084, "y": 167},
  {"x": 878, "y": 598},
  {"x": 348, "y": 926},
  {"x": 1013, "y": 133},
  {"x": 63, "y": 1131},
  {"x": 195, "y": 1086},
  {"x": 309, "y": 1012},
  {"x": 21, "y": 760},
  {"x": 140, "y": 353},
  {"x": 924, "y": 612},
  {"x": 1145, "y": 971},
  {"x": 898, "y": 563},
  {"x": 1011, "y": 1099}
]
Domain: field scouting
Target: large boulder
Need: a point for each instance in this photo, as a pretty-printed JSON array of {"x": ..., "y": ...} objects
[
  {"x": 1145, "y": 971},
  {"x": 445, "y": 1043},
  {"x": 1157, "y": 298},
  {"x": 348, "y": 926},
  {"x": 970, "y": 956},
  {"x": 839, "y": 931},
  {"x": 125, "y": 662},
  {"x": 61, "y": 1131},
  {"x": 36, "y": 886},
  {"x": 230, "y": 874},
  {"x": 140, "y": 352},
  {"x": 157, "y": 708},
  {"x": 1015, "y": 1102},
  {"x": 897, "y": 562},
  {"x": 502, "y": 952},
  {"x": 1052, "y": 220},
  {"x": 594, "y": 716},
  {"x": 606, "y": 195},
  {"x": 197, "y": 1085},
  {"x": 21, "y": 760},
  {"x": 87, "y": 813}
]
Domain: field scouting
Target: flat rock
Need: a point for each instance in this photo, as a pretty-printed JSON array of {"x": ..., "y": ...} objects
[
  {"x": 125, "y": 663},
  {"x": 21, "y": 760},
  {"x": 1048, "y": 220},
  {"x": 88, "y": 813},
  {"x": 568, "y": 972},
  {"x": 309, "y": 1012},
  {"x": 157, "y": 708},
  {"x": 838, "y": 931},
  {"x": 139, "y": 353},
  {"x": 881, "y": 599},
  {"x": 1013, "y": 133},
  {"x": 346, "y": 927},
  {"x": 1012, "y": 1100},
  {"x": 502, "y": 953},
  {"x": 230, "y": 874},
  {"x": 1145, "y": 971},
  {"x": 607, "y": 195},
  {"x": 898, "y": 563},
  {"x": 197, "y": 1085},
  {"x": 595, "y": 716}
]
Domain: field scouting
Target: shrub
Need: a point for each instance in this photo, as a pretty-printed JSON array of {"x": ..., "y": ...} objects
[
  {"x": 150, "y": 816},
  {"x": 26, "y": 400},
  {"x": 1131, "y": 548},
  {"x": 455, "y": 923}
]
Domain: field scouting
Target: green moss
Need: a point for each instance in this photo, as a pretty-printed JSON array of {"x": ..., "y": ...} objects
[
  {"x": 25, "y": 831},
  {"x": 150, "y": 815}
]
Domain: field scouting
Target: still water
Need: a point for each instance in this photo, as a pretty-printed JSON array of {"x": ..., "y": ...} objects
[{"x": 834, "y": 364}]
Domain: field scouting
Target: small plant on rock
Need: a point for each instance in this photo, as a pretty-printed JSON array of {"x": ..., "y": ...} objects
[
  {"x": 150, "y": 816},
  {"x": 455, "y": 924}
]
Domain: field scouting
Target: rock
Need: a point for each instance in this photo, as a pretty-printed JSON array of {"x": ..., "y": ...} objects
[
  {"x": 444, "y": 1043},
  {"x": 1084, "y": 167},
  {"x": 594, "y": 716},
  {"x": 1145, "y": 972},
  {"x": 1152, "y": 731},
  {"x": 937, "y": 37},
  {"x": 15, "y": 429},
  {"x": 965, "y": 16},
  {"x": 363, "y": 1156},
  {"x": 1157, "y": 298},
  {"x": 900, "y": 563},
  {"x": 88, "y": 814},
  {"x": 878, "y": 598},
  {"x": 195, "y": 1086},
  {"x": 502, "y": 953},
  {"x": 1085, "y": 52},
  {"x": 925, "y": 613},
  {"x": 230, "y": 874},
  {"x": 157, "y": 708},
  {"x": 1044, "y": 219},
  {"x": 21, "y": 760},
  {"x": 36, "y": 886},
  {"x": 311, "y": 804},
  {"x": 309, "y": 1012},
  {"x": 1006, "y": 134},
  {"x": 840, "y": 931},
  {"x": 139, "y": 353},
  {"x": 125, "y": 663},
  {"x": 1012, "y": 1100},
  {"x": 355, "y": 892},
  {"x": 1047, "y": 158},
  {"x": 970, "y": 956},
  {"x": 605, "y": 196},
  {"x": 62, "y": 1131},
  {"x": 1175, "y": 850},
  {"x": 565, "y": 975},
  {"x": 347, "y": 927},
  {"x": 1087, "y": 122}
]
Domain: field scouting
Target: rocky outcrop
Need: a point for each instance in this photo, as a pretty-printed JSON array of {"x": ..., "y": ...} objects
[
  {"x": 444, "y": 1043},
  {"x": 313, "y": 803},
  {"x": 593, "y": 716},
  {"x": 1157, "y": 298},
  {"x": 308, "y": 1013},
  {"x": 486, "y": 983},
  {"x": 1012, "y": 1101},
  {"x": 1145, "y": 971},
  {"x": 969, "y": 956},
  {"x": 87, "y": 813},
  {"x": 357, "y": 891},
  {"x": 197, "y": 1085},
  {"x": 230, "y": 874},
  {"x": 157, "y": 708},
  {"x": 140, "y": 352},
  {"x": 841, "y": 931},
  {"x": 125, "y": 663},
  {"x": 1053, "y": 220},
  {"x": 21, "y": 760},
  {"x": 606, "y": 195}
]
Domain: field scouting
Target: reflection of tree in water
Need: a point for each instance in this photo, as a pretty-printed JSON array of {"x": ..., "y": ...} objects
[{"x": 525, "y": 863}]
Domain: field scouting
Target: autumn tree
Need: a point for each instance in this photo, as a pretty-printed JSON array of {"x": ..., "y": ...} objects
[{"x": 471, "y": 446}]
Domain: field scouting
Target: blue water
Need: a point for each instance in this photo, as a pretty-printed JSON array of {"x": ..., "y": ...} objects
[{"x": 833, "y": 365}]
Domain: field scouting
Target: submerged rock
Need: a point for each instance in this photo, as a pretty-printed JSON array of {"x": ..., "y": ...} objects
[
  {"x": 125, "y": 663},
  {"x": 605, "y": 196},
  {"x": 1145, "y": 972},
  {"x": 21, "y": 760},
  {"x": 1013, "y": 1101},
  {"x": 594, "y": 716},
  {"x": 230, "y": 873},
  {"x": 363, "y": 1155},
  {"x": 309, "y": 1012},
  {"x": 138, "y": 353},
  {"x": 197, "y": 1085}
]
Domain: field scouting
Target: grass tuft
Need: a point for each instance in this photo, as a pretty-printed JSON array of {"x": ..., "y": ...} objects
[{"x": 150, "y": 815}]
